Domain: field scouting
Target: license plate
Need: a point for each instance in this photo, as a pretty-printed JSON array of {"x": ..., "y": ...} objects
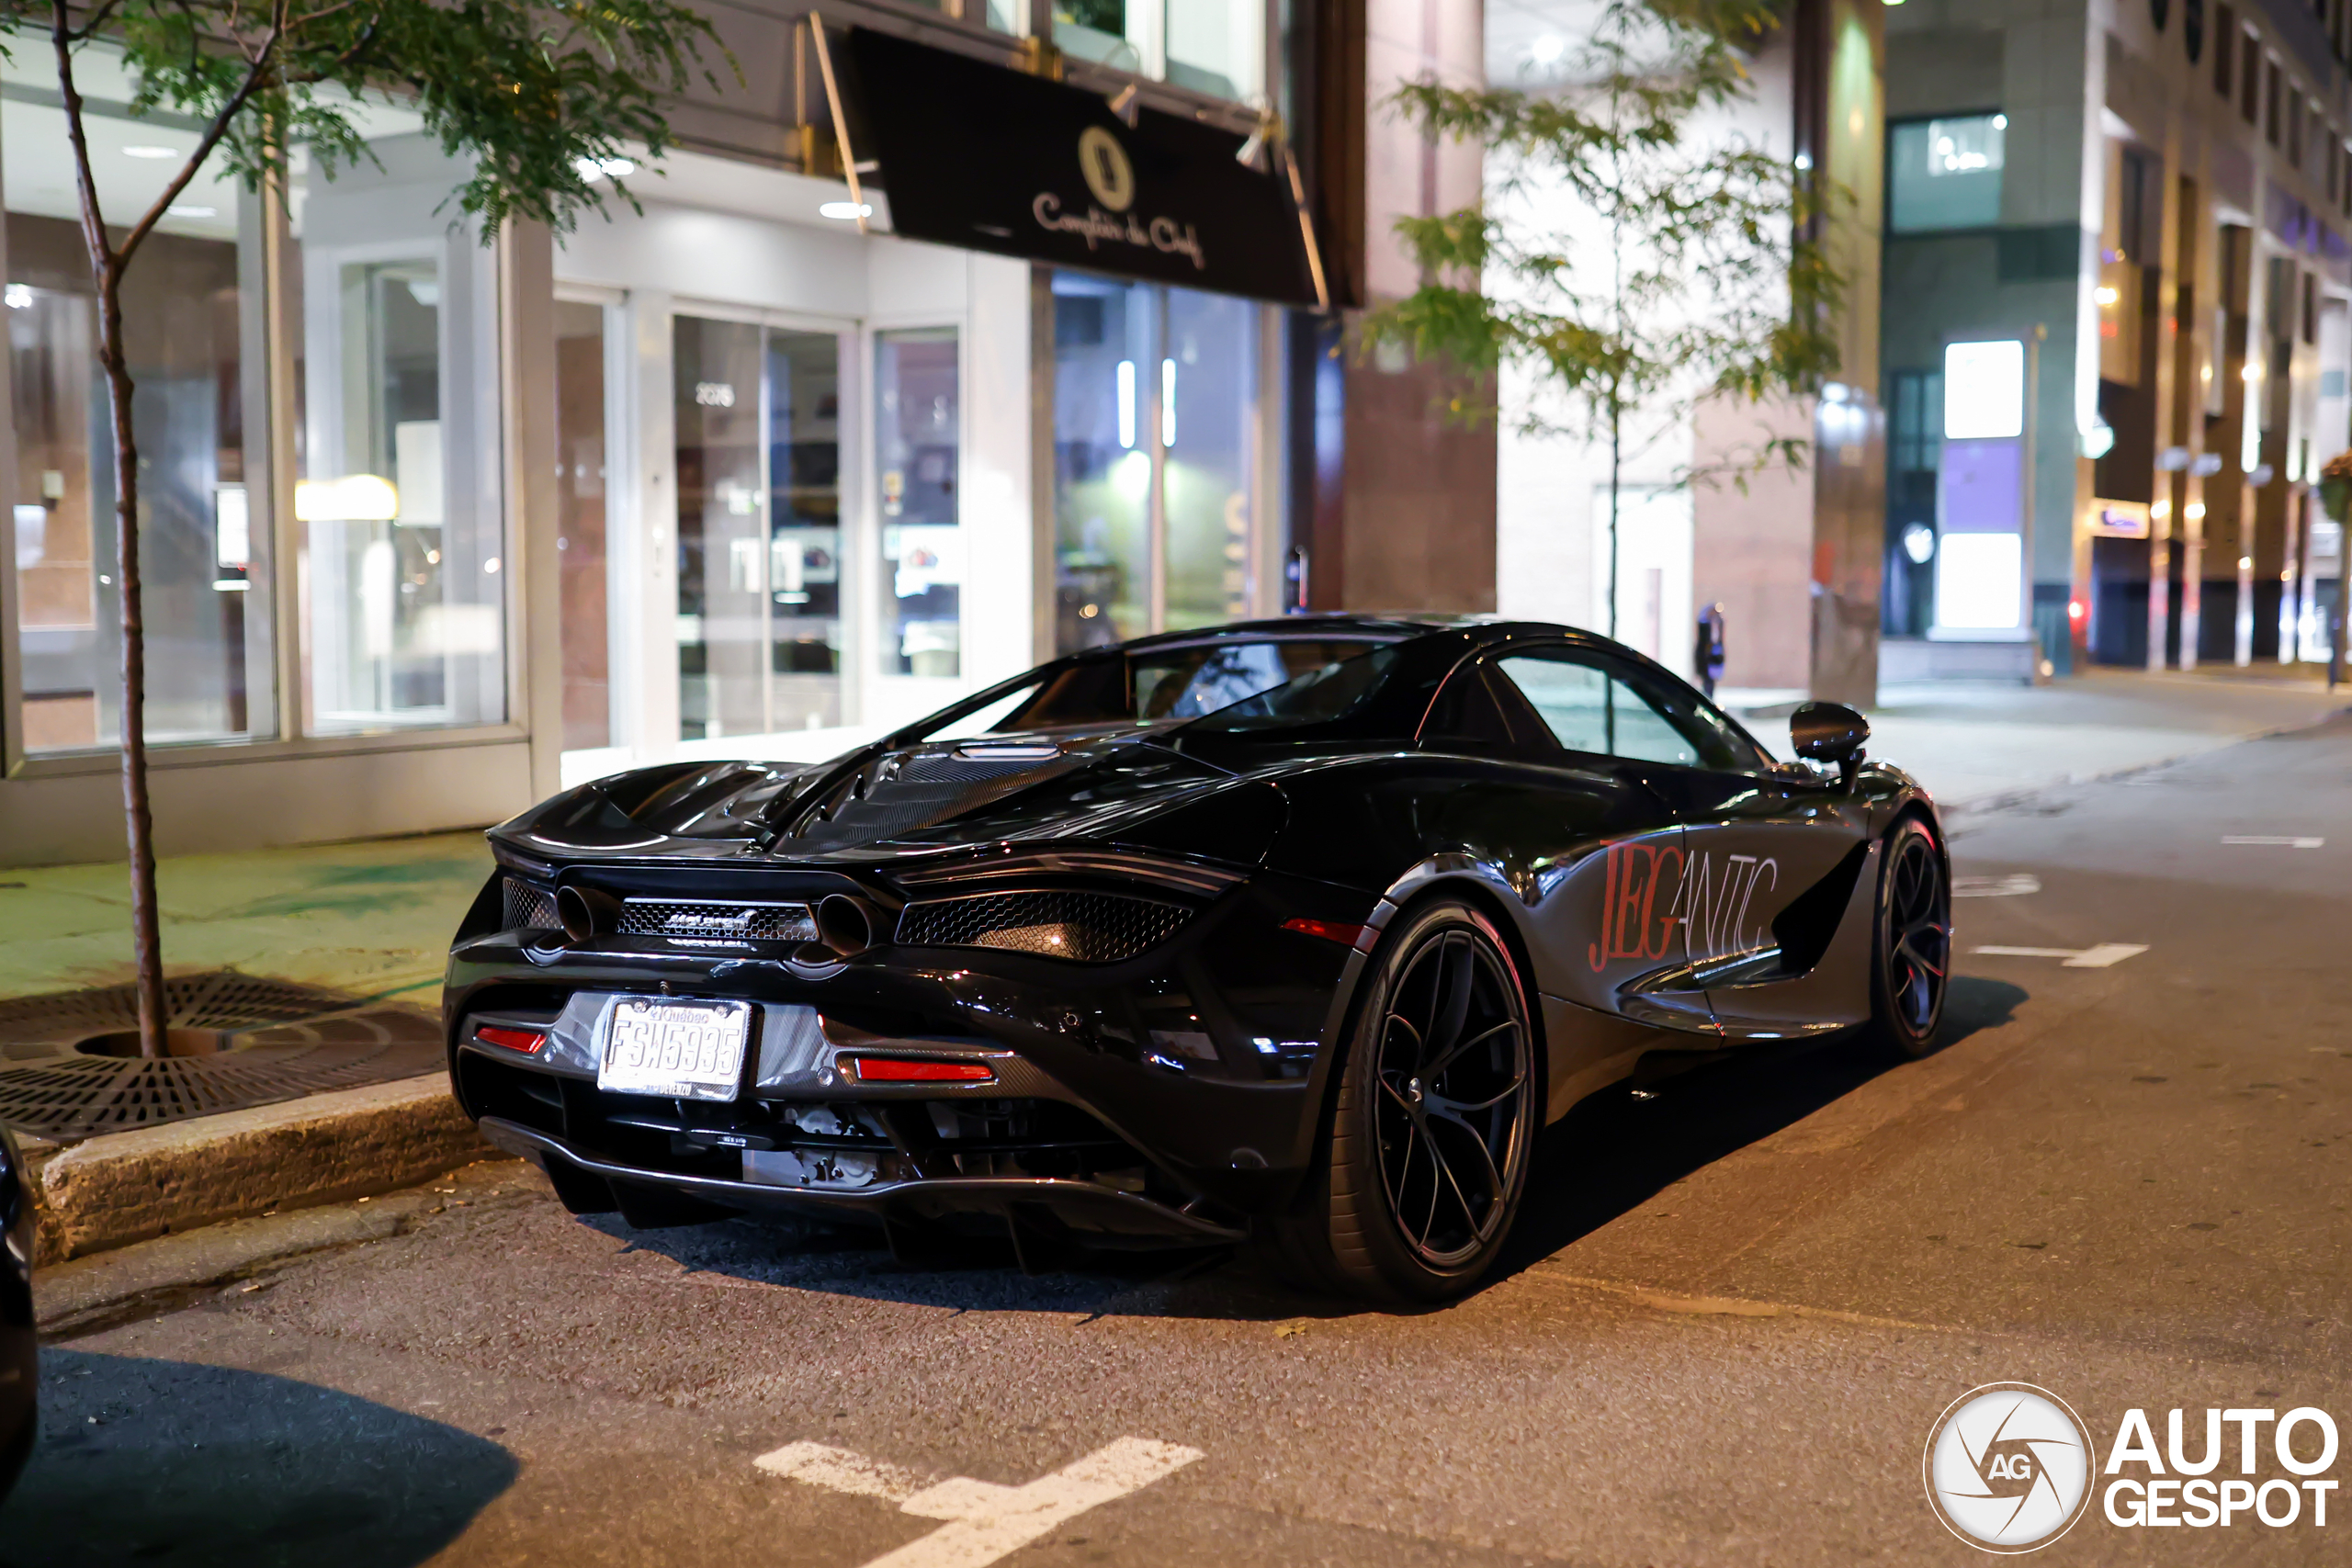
[{"x": 678, "y": 1050}]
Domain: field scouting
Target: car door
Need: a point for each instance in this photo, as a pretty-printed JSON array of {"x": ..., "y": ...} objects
[
  {"x": 1606, "y": 887},
  {"x": 1775, "y": 865}
]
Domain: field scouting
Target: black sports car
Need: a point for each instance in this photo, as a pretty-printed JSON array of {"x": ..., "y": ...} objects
[
  {"x": 19, "y": 1373},
  {"x": 1297, "y": 930}
]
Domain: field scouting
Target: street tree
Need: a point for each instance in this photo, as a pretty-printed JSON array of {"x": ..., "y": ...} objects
[
  {"x": 544, "y": 103},
  {"x": 1635, "y": 255}
]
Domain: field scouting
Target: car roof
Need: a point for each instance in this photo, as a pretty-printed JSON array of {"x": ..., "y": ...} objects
[{"x": 1474, "y": 630}]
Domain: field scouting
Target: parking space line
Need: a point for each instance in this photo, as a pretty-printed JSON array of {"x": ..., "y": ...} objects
[
  {"x": 2102, "y": 955},
  {"x": 2016, "y": 885},
  {"x": 985, "y": 1520},
  {"x": 2273, "y": 840}
]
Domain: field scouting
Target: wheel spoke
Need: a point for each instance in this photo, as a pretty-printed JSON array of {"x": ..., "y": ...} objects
[
  {"x": 1919, "y": 958},
  {"x": 1448, "y": 1107},
  {"x": 1435, "y": 1069},
  {"x": 1457, "y": 959},
  {"x": 1446, "y": 1165}
]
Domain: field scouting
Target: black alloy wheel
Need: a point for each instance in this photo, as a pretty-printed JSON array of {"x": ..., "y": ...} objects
[
  {"x": 1434, "y": 1120},
  {"x": 1913, "y": 947}
]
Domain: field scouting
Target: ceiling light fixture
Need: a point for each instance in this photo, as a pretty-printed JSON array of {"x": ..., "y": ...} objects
[
  {"x": 145, "y": 151},
  {"x": 848, "y": 211}
]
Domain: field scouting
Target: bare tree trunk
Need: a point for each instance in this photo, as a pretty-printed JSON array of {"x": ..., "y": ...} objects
[
  {"x": 146, "y": 934},
  {"x": 1616, "y": 460},
  {"x": 107, "y": 264}
]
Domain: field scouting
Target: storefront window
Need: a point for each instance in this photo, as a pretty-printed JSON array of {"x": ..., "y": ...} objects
[
  {"x": 917, "y": 439},
  {"x": 804, "y": 392},
  {"x": 758, "y": 528},
  {"x": 1155, "y": 412},
  {"x": 1210, "y": 46},
  {"x": 208, "y": 631},
  {"x": 722, "y": 589},
  {"x": 1106, "y": 340},
  {"x": 1207, "y": 397},
  {"x": 400, "y": 494},
  {"x": 582, "y": 558}
]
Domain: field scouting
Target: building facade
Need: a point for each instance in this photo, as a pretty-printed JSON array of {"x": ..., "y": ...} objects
[
  {"x": 435, "y": 522},
  {"x": 1792, "y": 557},
  {"x": 2116, "y": 331}
]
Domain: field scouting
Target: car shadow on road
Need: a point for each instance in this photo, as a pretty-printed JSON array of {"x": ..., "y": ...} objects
[
  {"x": 1615, "y": 1151},
  {"x": 1605, "y": 1157},
  {"x": 194, "y": 1466}
]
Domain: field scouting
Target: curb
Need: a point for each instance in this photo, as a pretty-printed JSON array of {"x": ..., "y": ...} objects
[{"x": 324, "y": 1149}]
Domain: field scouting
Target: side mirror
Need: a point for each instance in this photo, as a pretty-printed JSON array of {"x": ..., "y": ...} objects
[{"x": 1829, "y": 732}]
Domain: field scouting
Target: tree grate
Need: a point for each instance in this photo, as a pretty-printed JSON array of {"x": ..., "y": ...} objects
[{"x": 280, "y": 1042}]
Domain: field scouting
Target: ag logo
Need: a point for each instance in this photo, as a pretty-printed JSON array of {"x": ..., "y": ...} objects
[
  {"x": 1108, "y": 173},
  {"x": 2008, "y": 1467}
]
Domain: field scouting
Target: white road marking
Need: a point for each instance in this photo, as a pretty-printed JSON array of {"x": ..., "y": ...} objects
[
  {"x": 2273, "y": 840},
  {"x": 842, "y": 1471},
  {"x": 2106, "y": 955},
  {"x": 985, "y": 1521},
  {"x": 2010, "y": 886}
]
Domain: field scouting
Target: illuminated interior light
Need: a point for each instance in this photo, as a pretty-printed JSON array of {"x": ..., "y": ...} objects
[
  {"x": 1168, "y": 402},
  {"x": 846, "y": 211},
  {"x": 354, "y": 497},
  {"x": 2194, "y": 511},
  {"x": 1127, "y": 404},
  {"x": 2107, "y": 294}
]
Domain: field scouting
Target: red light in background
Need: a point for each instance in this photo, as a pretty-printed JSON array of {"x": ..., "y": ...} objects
[
  {"x": 913, "y": 1070},
  {"x": 1330, "y": 931},
  {"x": 530, "y": 1041}
]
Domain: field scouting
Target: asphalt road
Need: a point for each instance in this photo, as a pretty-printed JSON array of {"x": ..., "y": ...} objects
[{"x": 1735, "y": 1313}]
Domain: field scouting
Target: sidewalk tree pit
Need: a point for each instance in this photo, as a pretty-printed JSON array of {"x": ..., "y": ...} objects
[{"x": 546, "y": 100}]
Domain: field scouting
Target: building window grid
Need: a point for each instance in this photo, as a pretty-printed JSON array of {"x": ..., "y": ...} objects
[
  {"x": 2250, "y": 77},
  {"x": 2225, "y": 34}
]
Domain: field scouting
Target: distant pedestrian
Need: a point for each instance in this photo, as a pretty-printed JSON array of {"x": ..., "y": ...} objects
[{"x": 1707, "y": 656}]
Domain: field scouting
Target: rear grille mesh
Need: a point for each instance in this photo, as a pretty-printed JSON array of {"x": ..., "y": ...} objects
[
  {"x": 688, "y": 921},
  {"x": 529, "y": 909},
  {"x": 1092, "y": 928}
]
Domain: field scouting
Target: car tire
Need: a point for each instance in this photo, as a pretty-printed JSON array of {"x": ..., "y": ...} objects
[
  {"x": 1419, "y": 1173},
  {"x": 1911, "y": 940}
]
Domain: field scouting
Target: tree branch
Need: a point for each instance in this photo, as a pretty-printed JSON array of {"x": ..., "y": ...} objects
[{"x": 255, "y": 73}]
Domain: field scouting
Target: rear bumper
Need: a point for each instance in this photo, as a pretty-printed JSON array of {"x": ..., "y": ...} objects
[{"x": 1085, "y": 1210}]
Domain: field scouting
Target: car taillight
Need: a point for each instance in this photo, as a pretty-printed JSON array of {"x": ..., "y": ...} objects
[
  {"x": 1330, "y": 931},
  {"x": 530, "y": 1041},
  {"x": 916, "y": 1069}
]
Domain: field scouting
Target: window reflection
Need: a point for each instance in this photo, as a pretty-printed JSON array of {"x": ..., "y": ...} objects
[{"x": 208, "y": 633}]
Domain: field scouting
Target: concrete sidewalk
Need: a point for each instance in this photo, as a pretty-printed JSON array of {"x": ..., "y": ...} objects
[
  {"x": 1975, "y": 745},
  {"x": 372, "y": 920}
]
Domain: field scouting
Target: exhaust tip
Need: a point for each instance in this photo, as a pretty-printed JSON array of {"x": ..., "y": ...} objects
[
  {"x": 846, "y": 925},
  {"x": 582, "y": 912}
]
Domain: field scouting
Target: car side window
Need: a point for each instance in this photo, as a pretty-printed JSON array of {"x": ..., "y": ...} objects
[
  {"x": 1590, "y": 707},
  {"x": 1479, "y": 709}
]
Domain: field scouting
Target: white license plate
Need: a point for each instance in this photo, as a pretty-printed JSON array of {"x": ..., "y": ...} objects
[{"x": 678, "y": 1050}]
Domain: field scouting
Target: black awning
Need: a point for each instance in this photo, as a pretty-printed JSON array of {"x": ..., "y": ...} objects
[{"x": 989, "y": 159}]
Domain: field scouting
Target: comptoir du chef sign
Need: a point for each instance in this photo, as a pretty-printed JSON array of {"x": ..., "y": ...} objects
[{"x": 986, "y": 158}]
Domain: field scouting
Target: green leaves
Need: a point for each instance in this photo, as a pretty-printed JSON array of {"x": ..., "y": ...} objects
[
  {"x": 1635, "y": 255},
  {"x": 530, "y": 95}
]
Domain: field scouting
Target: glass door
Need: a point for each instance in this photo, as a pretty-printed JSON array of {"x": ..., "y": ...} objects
[
  {"x": 759, "y": 627},
  {"x": 803, "y": 590},
  {"x": 1155, "y": 456}
]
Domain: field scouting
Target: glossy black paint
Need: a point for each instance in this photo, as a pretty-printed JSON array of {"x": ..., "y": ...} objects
[
  {"x": 1659, "y": 910},
  {"x": 19, "y": 1373}
]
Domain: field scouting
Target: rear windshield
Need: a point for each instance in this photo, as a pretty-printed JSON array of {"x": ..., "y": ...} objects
[
  {"x": 1176, "y": 684},
  {"x": 1314, "y": 696}
]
